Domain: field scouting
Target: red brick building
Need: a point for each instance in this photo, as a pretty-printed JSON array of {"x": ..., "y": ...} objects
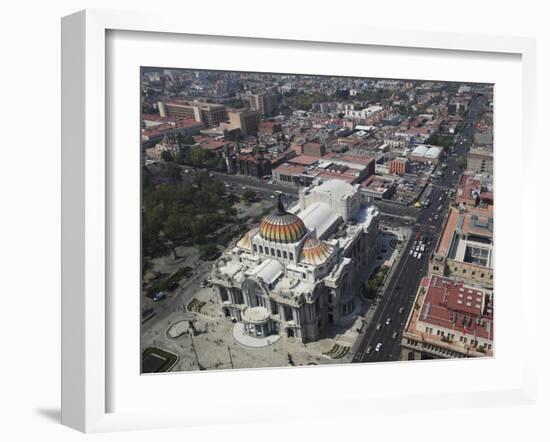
[{"x": 398, "y": 166}]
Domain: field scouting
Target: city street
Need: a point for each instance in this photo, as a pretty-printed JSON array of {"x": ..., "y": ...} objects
[{"x": 387, "y": 323}]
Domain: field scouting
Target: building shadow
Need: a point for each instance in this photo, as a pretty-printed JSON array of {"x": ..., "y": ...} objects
[{"x": 51, "y": 414}]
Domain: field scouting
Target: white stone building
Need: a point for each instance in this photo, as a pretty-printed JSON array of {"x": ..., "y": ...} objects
[{"x": 301, "y": 269}]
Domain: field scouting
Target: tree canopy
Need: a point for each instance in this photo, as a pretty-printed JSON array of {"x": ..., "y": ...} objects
[{"x": 182, "y": 212}]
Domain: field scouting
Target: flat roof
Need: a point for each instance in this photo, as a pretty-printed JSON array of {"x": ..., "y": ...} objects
[
  {"x": 453, "y": 305},
  {"x": 306, "y": 160}
]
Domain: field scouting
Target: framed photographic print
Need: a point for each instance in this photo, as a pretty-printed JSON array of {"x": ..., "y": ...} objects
[{"x": 277, "y": 221}]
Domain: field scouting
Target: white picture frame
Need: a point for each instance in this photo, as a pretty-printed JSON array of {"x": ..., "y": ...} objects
[{"x": 85, "y": 201}]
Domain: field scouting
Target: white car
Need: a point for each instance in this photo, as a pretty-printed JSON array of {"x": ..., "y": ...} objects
[
  {"x": 411, "y": 252},
  {"x": 388, "y": 321},
  {"x": 415, "y": 254},
  {"x": 378, "y": 346},
  {"x": 419, "y": 255},
  {"x": 159, "y": 296}
]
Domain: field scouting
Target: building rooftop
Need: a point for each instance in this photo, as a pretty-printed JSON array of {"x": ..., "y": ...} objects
[
  {"x": 305, "y": 160},
  {"x": 475, "y": 221},
  {"x": 319, "y": 217},
  {"x": 453, "y": 305}
]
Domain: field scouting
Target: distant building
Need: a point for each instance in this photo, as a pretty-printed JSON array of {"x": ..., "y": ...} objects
[
  {"x": 184, "y": 127},
  {"x": 207, "y": 113},
  {"x": 473, "y": 190},
  {"x": 269, "y": 127},
  {"x": 425, "y": 153},
  {"x": 211, "y": 145},
  {"x": 480, "y": 160},
  {"x": 483, "y": 137},
  {"x": 372, "y": 114},
  {"x": 251, "y": 164},
  {"x": 265, "y": 103},
  {"x": 452, "y": 320},
  {"x": 245, "y": 120},
  {"x": 377, "y": 188},
  {"x": 398, "y": 166},
  {"x": 314, "y": 149},
  {"x": 303, "y": 170}
]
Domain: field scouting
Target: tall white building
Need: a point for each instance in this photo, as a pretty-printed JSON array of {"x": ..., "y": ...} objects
[{"x": 301, "y": 269}]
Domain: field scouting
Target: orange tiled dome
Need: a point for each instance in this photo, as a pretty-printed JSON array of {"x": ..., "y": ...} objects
[
  {"x": 283, "y": 228},
  {"x": 315, "y": 251}
]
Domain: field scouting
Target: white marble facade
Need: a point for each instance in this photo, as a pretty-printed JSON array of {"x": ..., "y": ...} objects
[{"x": 302, "y": 268}]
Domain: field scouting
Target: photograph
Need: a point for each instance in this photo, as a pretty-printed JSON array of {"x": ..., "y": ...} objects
[
  {"x": 275, "y": 221},
  {"x": 300, "y": 220}
]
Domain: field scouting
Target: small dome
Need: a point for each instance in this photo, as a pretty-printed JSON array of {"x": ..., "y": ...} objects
[
  {"x": 246, "y": 241},
  {"x": 315, "y": 252}
]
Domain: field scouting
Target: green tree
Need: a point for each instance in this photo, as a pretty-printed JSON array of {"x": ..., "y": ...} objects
[
  {"x": 207, "y": 250},
  {"x": 166, "y": 155},
  {"x": 249, "y": 196},
  {"x": 170, "y": 170}
]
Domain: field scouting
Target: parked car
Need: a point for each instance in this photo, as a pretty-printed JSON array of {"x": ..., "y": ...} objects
[
  {"x": 378, "y": 346},
  {"x": 158, "y": 296}
]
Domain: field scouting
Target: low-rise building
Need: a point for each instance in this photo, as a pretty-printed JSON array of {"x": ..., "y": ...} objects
[
  {"x": 473, "y": 190},
  {"x": 184, "y": 127},
  {"x": 426, "y": 153},
  {"x": 465, "y": 248},
  {"x": 480, "y": 160},
  {"x": 348, "y": 168},
  {"x": 269, "y": 127},
  {"x": 398, "y": 166},
  {"x": 451, "y": 319},
  {"x": 314, "y": 149}
]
